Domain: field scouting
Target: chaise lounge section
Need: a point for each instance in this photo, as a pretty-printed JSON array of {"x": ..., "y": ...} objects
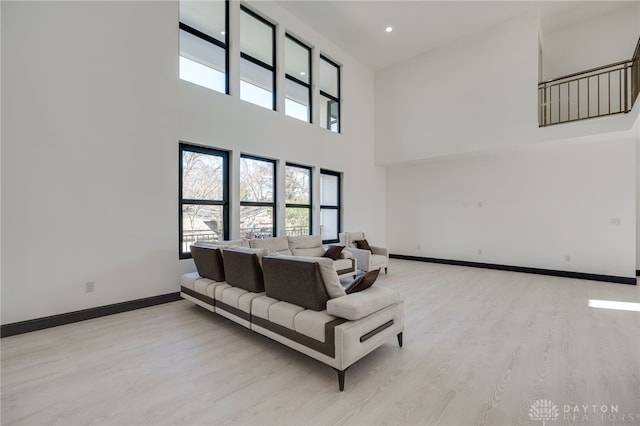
[{"x": 295, "y": 300}]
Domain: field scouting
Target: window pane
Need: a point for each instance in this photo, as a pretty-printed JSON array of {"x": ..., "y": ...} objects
[
  {"x": 256, "y": 38},
  {"x": 329, "y": 114},
  {"x": 201, "y": 223},
  {"x": 256, "y": 84},
  {"x": 297, "y": 182},
  {"x": 202, "y": 176},
  {"x": 205, "y": 16},
  {"x": 296, "y": 102},
  {"x": 256, "y": 180},
  {"x": 329, "y": 78},
  {"x": 328, "y": 190},
  {"x": 297, "y": 221},
  {"x": 296, "y": 60},
  {"x": 256, "y": 222},
  {"x": 202, "y": 63},
  {"x": 329, "y": 224}
]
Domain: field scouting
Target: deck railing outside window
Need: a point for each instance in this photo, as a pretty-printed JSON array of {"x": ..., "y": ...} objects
[{"x": 607, "y": 90}]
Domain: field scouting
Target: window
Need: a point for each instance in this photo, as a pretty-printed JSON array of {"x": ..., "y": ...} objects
[
  {"x": 297, "y": 95},
  {"x": 257, "y": 59},
  {"x": 203, "y": 43},
  {"x": 204, "y": 196},
  {"x": 257, "y": 197},
  {"x": 330, "y": 206},
  {"x": 297, "y": 183},
  {"x": 329, "y": 94}
]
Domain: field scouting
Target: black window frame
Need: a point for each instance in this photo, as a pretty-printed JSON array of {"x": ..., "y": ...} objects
[
  {"x": 338, "y": 207},
  {"x": 183, "y": 146},
  {"x": 332, "y": 97},
  {"x": 297, "y": 205},
  {"x": 258, "y": 62},
  {"x": 206, "y": 37},
  {"x": 272, "y": 204},
  {"x": 300, "y": 82}
]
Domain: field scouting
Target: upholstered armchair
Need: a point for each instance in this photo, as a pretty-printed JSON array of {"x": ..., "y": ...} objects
[{"x": 367, "y": 260}]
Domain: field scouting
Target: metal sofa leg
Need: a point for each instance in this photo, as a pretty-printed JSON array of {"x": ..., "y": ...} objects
[
  {"x": 386, "y": 270},
  {"x": 341, "y": 378},
  {"x": 400, "y": 339}
]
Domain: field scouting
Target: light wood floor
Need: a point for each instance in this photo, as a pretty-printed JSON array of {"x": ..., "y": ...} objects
[{"x": 480, "y": 347}]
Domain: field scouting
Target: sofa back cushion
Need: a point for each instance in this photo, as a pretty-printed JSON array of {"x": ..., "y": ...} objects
[
  {"x": 208, "y": 262},
  {"x": 223, "y": 243},
  {"x": 295, "y": 280},
  {"x": 353, "y": 237},
  {"x": 310, "y": 245},
  {"x": 242, "y": 268},
  {"x": 272, "y": 245}
]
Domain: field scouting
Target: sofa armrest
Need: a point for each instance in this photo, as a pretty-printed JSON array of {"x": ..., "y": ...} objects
[
  {"x": 380, "y": 250},
  {"x": 362, "y": 256},
  {"x": 363, "y": 303}
]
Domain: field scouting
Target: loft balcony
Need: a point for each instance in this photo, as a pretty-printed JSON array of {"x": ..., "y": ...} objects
[{"x": 597, "y": 92}]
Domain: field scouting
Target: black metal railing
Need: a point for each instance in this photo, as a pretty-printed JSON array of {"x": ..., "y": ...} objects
[
  {"x": 598, "y": 92},
  {"x": 190, "y": 236}
]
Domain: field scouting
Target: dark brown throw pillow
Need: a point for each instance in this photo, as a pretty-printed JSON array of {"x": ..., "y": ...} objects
[
  {"x": 363, "y": 244},
  {"x": 333, "y": 252},
  {"x": 208, "y": 263},
  {"x": 363, "y": 282}
]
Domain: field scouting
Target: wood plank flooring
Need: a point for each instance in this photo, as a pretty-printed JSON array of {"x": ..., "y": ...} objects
[{"x": 480, "y": 347}]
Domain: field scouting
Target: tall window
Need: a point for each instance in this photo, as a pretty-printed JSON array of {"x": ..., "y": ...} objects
[
  {"x": 298, "y": 200},
  {"x": 330, "y": 206},
  {"x": 203, "y": 43},
  {"x": 257, "y": 197},
  {"x": 204, "y": 196},
  {"x": 257, "y": 59},
  {"x": 297, "y": 96},
  {"x": 329, "y": 94}
]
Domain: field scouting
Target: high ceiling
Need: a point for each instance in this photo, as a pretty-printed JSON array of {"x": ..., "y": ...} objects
[{"x": 358, "y": 26}]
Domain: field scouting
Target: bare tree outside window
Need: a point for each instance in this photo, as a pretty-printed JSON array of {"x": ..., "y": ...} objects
[
  {"x": 298, "y": 200},
  {"x": 202, "y": 196},
  {"x": 257, "y": 197}
]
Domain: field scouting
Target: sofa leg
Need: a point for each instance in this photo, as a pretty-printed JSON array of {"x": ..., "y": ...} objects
[
  {"x": 340, "y": 378},
  {"x": 400, "y": 339},
  {"x": 386, "y": 270}
]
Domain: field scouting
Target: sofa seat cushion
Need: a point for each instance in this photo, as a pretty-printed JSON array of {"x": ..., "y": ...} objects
[
  {"x": 231, "y": 296},
  {"x": 283, "y": 313},
  {"x": 211, "y": 289},
  {"x": 246, "y": 300},
  {"x": 189, "y": 280},
  {"x": 202, "y": 285},
  {"x": 358, "y": 305},
  {"x": 312, "y": 323},
  {"x": 343, "y": 265},
  {"x": 242, "y": 268},
  {"x": 308, "y": 245},
  {"x": 219, "y": 290},
  {"x": 260, "y": 306},
  {"x": 278, "y": 245}
]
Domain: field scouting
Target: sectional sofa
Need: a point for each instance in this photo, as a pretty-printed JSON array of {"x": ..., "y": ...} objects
[{"x": 298, "y": 301}]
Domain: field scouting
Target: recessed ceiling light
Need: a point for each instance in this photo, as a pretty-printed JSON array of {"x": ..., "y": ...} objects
[
  {"x": 302, "y": 73},
  {"x": 388, "y": 29}
]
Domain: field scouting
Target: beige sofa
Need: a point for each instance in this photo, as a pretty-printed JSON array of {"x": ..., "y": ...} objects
[
  {"x": 366, "y": 260},
  {"x": 295, "y": 300},
  {"x": 310, "y": 246}
]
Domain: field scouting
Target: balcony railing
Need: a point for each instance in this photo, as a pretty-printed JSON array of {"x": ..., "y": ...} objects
[
  {"x": 190, "y": 236},
  {"x": 607, "y": 90}
]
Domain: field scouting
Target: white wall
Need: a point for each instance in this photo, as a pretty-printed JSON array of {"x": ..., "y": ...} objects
[
  {"x": 601, "y": 40},
  {"x": 476, "y": 93},
  {"x": 92, "y": 115},
  {"x": 528, "y": 208},
  {"x": 457, "y": 126}
]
